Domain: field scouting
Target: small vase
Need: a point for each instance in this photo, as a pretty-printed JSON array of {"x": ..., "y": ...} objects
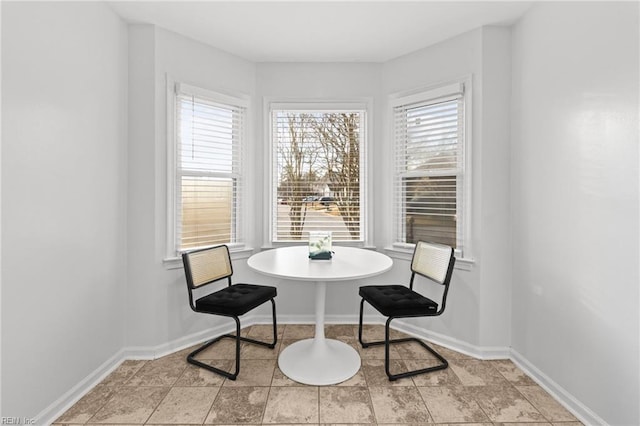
[{"x": 320, "y": 245}]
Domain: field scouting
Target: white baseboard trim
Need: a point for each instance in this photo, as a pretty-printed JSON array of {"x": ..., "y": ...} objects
[
  {"x": 571, "y": 403},
  {"x": 577, "y": 408},
  {"x": 480, "y": 352},
  {"x": 285, "y": 319},
  {"x": 66, "y": 401},
  {"x": 183, "y": 342},
  {"x": 62, "y": 404},
  {"x": 311, "y": 319}
]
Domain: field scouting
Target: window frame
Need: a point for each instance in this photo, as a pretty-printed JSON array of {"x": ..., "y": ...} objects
[
  {"x": 327, "y": 105},
  {"x": 172, "y": 253},
  {"x": 463, "y": 196}
]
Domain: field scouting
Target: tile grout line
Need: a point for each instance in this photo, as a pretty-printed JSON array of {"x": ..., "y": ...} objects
[
  {"x": 158, "y": 405},
  {"x": 548, "y": 420},
  {"x": 214, "y": 401},
  {"x": 112, "y": 396},
  {"x": 493, "y": 368}
]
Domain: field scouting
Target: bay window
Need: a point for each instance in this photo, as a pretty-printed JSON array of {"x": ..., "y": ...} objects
[
  {"x": 430, "y": 178},
  {"x": 206, "y": 163},
  {"x": 318, "y": 171}
]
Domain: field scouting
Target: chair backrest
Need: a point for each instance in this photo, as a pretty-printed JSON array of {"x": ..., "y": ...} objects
[
  {"x": 205, "y": 266},
  {"x": 434, "y": 261}
]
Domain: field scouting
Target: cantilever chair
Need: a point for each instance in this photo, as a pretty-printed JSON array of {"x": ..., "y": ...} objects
[
  {"x": 432, "y": 261},
  {"x": 209, "y": 265}
]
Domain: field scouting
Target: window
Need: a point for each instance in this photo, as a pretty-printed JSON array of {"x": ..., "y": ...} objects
[
  {"x": 207, "y": 168},
  {"x": 318, "y": 171},
  {"x": 429, "y": 181}
]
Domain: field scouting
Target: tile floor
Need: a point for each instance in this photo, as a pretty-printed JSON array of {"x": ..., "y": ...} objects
[{"x": 170, "y": 391}]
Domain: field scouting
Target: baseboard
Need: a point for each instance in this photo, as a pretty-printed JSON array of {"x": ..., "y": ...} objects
[
  {"x": 285, "y": 319},
  {"x": 577, "y": 408},
  {"x": 66, "y": 401},
  {"x": 311, "y": 319},
  {"x": 479, "y": 352},
  {"x": 184, "y": 342},
  {"x": 62, "y": 404}
]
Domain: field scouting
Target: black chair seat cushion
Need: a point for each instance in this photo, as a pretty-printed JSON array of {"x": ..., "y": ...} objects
[
  {"x": 235, "y": 300},
  {"x": 397, "y": 300}
]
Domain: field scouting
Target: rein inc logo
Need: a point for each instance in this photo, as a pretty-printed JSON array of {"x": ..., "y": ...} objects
[{"x": 17, "y": 421}]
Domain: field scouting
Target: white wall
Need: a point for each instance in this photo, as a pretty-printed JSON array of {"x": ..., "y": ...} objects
[
  {"x": 478, "y": 309},
  {"x": 481, "y": 296},
  {"x": 63, "y": 197},
  {"x": 575, "y": 201},
  {"x": 66, "y": 165},
  {"x": 158, "y": 311},
  {"x": 319, "y": 81}
]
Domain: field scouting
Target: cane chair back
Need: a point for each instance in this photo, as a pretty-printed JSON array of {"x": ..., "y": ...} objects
[
  {"x": 432, "y": 261},
  {"x": 207, "y": 266}
]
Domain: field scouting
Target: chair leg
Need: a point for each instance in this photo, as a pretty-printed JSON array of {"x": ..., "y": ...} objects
[
  {"x": 232, "y": 376},
  {"x": 387, "y": 343},
  {"x": 275, "y": 331},
  {"x": 238, "y": 338},
  {"x": 364, "y": 345}
]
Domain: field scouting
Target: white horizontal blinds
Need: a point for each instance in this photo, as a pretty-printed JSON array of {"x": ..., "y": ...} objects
[
  {"x": 429, "y": 142},
  {"x": 317, "y": 169},
  {"x": 209, "y": 184}
]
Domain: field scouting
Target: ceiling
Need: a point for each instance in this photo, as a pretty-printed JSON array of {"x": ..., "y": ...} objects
[{"x": 320, "y": 31}]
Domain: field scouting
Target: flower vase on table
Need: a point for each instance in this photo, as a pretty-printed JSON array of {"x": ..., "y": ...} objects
[{"x": 320, "y": 245}]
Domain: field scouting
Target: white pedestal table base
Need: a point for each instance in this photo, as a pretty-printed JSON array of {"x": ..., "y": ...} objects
[{"x": 319, "y": 362}]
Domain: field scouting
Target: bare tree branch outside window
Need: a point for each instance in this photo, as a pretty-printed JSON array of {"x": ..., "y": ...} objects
[{"x": 318, "y": 173}]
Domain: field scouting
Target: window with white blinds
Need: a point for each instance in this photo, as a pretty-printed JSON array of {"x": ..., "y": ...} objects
[
  {"x": 429, "y": 166},
  {"x": 318, "y": 173},
  {"x": 208, "y": 173}
]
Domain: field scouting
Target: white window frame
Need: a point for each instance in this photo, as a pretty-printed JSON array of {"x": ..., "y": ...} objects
[
  {"x": 327, "y": 105},
  {"x": 422, "y": 95},
  {"x": 172, "y": 255}
]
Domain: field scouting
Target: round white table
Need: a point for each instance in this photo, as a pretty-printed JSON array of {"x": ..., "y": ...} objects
[{"x": 319, "y": 361}]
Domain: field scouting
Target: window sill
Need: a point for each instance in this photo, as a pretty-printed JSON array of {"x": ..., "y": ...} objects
[
  {"x": 463, "y": 264},
  {"x": 276, "y": 244},
  {"x": 240, "y": 253}
]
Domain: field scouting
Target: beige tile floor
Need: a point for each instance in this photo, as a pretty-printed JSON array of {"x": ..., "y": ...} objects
[{"x": 169, "y": 391}]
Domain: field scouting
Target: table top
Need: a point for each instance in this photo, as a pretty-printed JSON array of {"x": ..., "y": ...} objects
[{"x": 293, "y": 262}]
